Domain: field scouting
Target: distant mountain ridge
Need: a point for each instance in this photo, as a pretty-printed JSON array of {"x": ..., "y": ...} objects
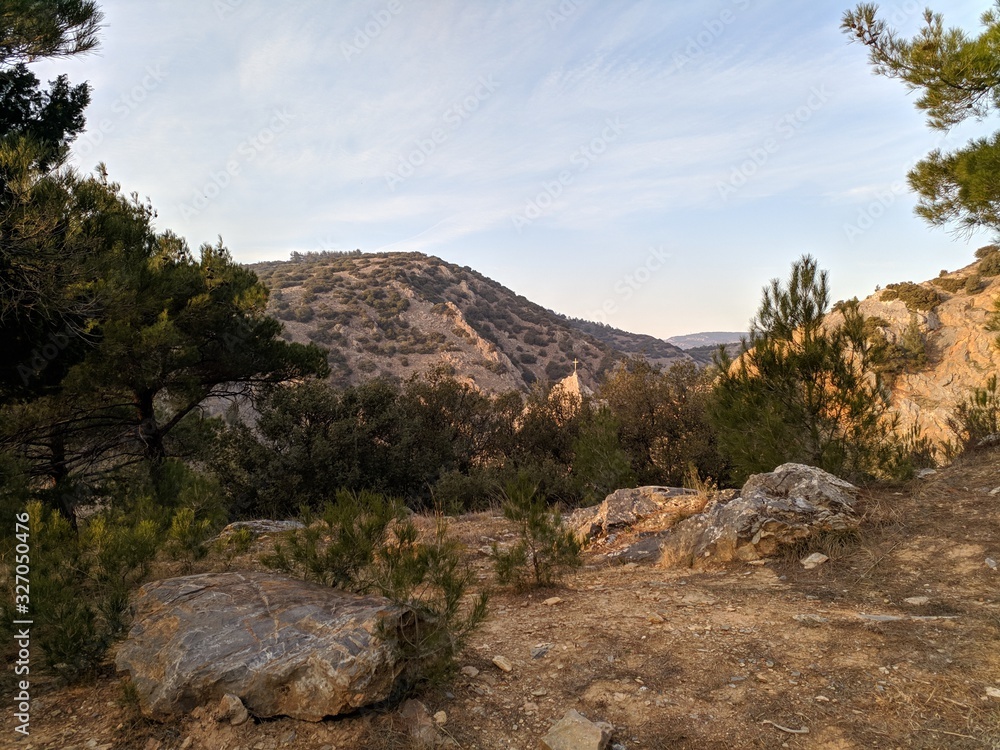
[
  {"x": 708, "y": 338},
  {"x": 395, "y": 314}
]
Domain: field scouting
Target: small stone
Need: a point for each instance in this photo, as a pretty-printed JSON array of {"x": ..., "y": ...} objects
[
  {"x": 655, "y": 619},
  {"x": 551, "y": 602},
  {"x": 991, "y": 563},
  {"x": 924, "y": 473},
  {"x": 821, "y": 699},
  {"x": 539, "y": 692},
  {"x": 810, "y": 619},
  {"x": 231, "y": 709},
  {"x": 574, "y": 732},
  {"x": 441, "y": 718},
  {"x": 503, "y": 664},
  {"x": 918, "y": 601},
  {"x": 995, "y": 491},
  {"x": 470, "y": 672},
  {"x": 187, "y": 743},
  {"x": 814, "y": 560},
  {"x": 152, "y": 744},
  {"x": 538, "y": 651},
  {"x": 993, "y": 692}
]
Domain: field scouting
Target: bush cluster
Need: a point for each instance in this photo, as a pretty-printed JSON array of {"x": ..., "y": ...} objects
[
  {"x": 364, "y": 542},
  {"x": 914, "y": 296}
]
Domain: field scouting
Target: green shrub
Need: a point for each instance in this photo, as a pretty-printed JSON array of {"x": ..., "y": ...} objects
[
  {"x": 365, "y": 543},
  {"x": 80, "y": 584},
  {"x": 910, "y": 353},
  {"x": 455, "y": 492},
  {"x": 973, "y": 284},
  {"x": 914, "y": 296},
  {"x": 951, "y": 284},
  {"x": 986, "y": 250},
  {"x": 976, "y": 418},
  {"x": 544, "y": 550},
  {"x": 232, "y": 545},
  {"x": 990, "y": 263}
]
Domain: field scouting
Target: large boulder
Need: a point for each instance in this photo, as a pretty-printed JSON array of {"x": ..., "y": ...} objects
[
  {"x": 624, "y": 508},
  {"x": 284, "y": 647},
  {"x": 774, "y": 510}
]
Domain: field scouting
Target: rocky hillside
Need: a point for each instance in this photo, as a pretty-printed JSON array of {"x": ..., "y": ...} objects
[
  {"x": 940, "y": 330},
  {"x": 395, "y": 314}
]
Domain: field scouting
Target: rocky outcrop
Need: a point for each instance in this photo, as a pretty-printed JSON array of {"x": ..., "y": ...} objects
[
  {"x": 961, "y": 353},
  {"x": 282, "y": 647},
  {"x": 774, "y": 510},
  {"x": 624, "y": 508}
]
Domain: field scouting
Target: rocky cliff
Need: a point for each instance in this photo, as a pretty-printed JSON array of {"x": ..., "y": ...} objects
[{"x": 940, "y": 327}]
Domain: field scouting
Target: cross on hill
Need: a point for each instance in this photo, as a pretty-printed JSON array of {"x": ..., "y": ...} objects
[{"x": 575, "y": 363}]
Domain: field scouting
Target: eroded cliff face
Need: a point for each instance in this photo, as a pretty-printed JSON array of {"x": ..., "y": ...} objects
[{"x": 961, "y": 353}]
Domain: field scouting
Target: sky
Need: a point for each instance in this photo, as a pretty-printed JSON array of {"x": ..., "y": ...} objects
[{"x": 649, "y": 164}]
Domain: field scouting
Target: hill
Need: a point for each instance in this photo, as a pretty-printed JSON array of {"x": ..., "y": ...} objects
[{"x": 395, "y": 314}]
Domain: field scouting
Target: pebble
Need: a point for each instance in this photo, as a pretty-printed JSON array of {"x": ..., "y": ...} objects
[
  {"x": 551, "y": 602},
  {"x": 537, "y": 652},
  {"x": 993, "y": 692},
  {"x": 918, "y": 601},
  {"x": 441, "y": 718},
  {"x": 503, "y": 664},
  {"x": 814, "y": 560},
  {"x": 470, "y": 672},
  {"x": 991, "y": 563}
]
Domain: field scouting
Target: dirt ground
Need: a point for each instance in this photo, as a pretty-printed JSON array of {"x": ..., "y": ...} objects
[{"x": 750, "y": 656}]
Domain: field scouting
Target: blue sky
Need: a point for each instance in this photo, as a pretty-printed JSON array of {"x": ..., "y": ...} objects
[{"x": 648, "y": 164}]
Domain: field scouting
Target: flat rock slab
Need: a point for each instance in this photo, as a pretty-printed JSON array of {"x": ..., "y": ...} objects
[{"x": 282, "y": 646}]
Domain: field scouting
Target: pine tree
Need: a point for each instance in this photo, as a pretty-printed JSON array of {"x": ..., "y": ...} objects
[
  {"x": 803, "y": 391},
  {"x": 958, "y": 77}
]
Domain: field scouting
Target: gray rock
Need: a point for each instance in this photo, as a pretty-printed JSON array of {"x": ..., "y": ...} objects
[
  {"x": 575, "y": 732},
  {"x": 774, "y": 510},
  {"x": 284, "y": 647}
]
